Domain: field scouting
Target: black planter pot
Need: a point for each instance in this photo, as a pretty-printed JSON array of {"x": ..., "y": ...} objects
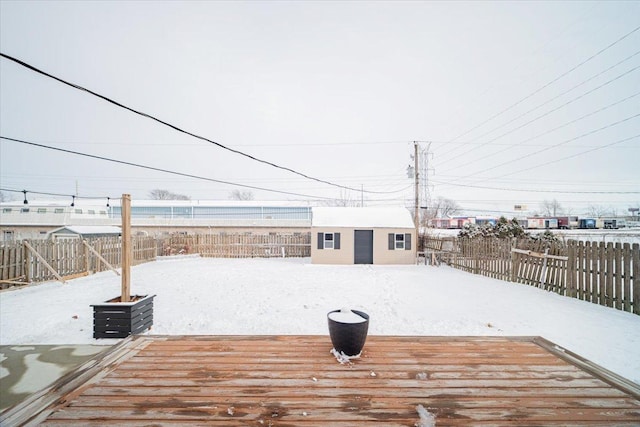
[
  {"x": 114, "y": 319},
  {"x": 348, "y": 338}
]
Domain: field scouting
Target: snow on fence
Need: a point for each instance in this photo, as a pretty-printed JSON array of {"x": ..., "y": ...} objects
[
  {"x": 603, "y": 273},
  {"x": 42, "y": 260}
]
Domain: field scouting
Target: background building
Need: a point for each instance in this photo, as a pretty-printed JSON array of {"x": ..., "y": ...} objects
[{"x": 37, "y": 219}]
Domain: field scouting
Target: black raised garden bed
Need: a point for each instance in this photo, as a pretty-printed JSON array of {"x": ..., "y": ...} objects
[{"x": 115, "y": 319}]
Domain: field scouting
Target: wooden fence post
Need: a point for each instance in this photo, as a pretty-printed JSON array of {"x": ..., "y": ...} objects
[
  {"x": 571, "y": 266},
  {"x": 635, "y": 250},
  {"x": 126, "y": 248},
  {"x": 543, "y": 273},
  {"x": 26, "y": 265},
  {"x": 626, "y": 274}
]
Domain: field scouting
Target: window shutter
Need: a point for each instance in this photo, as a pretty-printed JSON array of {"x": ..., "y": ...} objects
[
  {"x": 320, "y": 240},
  {"x": 407, "y": 241},
  {"x": 392, "y": 241},
  {"x": 336, "y": 240}
]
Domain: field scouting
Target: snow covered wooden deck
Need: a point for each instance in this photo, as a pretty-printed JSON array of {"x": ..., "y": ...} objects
[{"x": 295, "y": 381}]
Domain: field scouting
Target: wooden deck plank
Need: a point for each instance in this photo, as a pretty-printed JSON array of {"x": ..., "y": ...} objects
[
  {"x": 294, "y": 381},
  {"x": 461, "y": 402},
  {"x": 360, "y": 413}
]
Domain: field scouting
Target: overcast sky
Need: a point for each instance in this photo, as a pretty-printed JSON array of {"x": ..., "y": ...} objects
[{"x": 515, "y": 102}]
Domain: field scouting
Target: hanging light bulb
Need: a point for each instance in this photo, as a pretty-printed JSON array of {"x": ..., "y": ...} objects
[
  {"x": 26, "y": 202},
  {"x": 73, "y": 201},
  {"x": 108, "y": 198}
]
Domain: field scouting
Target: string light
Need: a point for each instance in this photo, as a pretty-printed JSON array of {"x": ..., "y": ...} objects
[{"x": 26, "y": 202}]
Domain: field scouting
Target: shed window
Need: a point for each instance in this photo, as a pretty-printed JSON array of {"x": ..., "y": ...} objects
[
  {"x": 78, "y": 211},
  {"x": 59, "y": 210},
  {"x": 400, "y": 241},
  {"x": 328, "y": 240},
  {"x": 6, "y": 210},
  {"x": 42, "y": 210},
  {"x": 24, "y": 210}
]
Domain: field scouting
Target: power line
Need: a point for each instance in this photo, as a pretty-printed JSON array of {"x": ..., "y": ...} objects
[
  {"x": 574, "y": 155},
  {"x": 531, "y": 190},
  {"x": 520, "y": 65},
  {"x": 558, "y": 145},
  {"x": 591, "y": 132},
  {"x": 540, "y": 181},
  {"x": 475, "y": 160},
  {"x": 174, "y": 127},
  {"x": 552, "y": 110},
  {"x": 160, "y": 169},
  {"x": 297, "y": 145},
  {"x": 549, "y": 83},
  {"x": 187, "y": 175}
]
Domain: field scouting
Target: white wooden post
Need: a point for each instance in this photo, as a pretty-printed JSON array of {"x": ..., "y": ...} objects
[{"x": 543, "y": 274}]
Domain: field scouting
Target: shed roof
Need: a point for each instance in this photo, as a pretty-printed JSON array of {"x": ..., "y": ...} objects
[
  {"x": 88, "y": 229},
  {"x": 387, "y": 217}
]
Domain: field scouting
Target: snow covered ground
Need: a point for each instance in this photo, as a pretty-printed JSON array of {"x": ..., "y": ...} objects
[{"x": 291, "y": 296}]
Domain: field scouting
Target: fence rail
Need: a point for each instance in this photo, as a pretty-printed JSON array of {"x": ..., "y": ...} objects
[
  {"x": 603, "y": 273},
  {"x": 42, "y": 260},
  {"x": 240, "y": 245}
]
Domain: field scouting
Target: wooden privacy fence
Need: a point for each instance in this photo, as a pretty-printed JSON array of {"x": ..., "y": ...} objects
[
  {"x": 539, "y": 264},
  {"x": 42, "y": 260},
  {"x": 603, "y": 273},
  {"x": 239, "y": 245},
  {"x": 489, "y": 257}
]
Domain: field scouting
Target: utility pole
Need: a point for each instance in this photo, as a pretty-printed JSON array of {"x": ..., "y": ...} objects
[
  {"x": 424, "y": 182},
  {"x": 416, "y": 214}
]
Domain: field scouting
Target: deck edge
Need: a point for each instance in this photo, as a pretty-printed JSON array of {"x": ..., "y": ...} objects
[
  {"x": 37, "y": 407},
  {"x": 590, "y": 367}
]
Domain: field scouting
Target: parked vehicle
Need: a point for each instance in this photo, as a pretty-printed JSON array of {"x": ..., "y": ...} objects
[
  {"x": 614, "y": 223},
  {"x": 542, "y": 223},
  {"x": 590, "y": 223},
  {"x": 567, "y": 222}
]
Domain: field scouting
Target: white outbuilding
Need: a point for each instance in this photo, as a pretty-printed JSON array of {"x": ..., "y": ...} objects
[
  {"x": 85, "y": 232},
  {"x": 362, "y": 236}
]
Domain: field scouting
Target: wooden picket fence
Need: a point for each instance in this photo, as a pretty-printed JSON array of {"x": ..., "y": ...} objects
[
  {"x": 539, "y": 264},
  {"x": 605, "y": 274},
  {"x": 42, "y": 260},
  {"x": 239, "y": 245}
]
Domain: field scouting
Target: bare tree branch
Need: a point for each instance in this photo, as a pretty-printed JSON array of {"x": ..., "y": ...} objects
[
  {"x": 241, "y": 195},
  {"x": 159, "y": 194}
]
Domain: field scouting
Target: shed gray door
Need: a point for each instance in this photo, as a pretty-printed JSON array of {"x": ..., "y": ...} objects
[{"x": 363, "y": 247}]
